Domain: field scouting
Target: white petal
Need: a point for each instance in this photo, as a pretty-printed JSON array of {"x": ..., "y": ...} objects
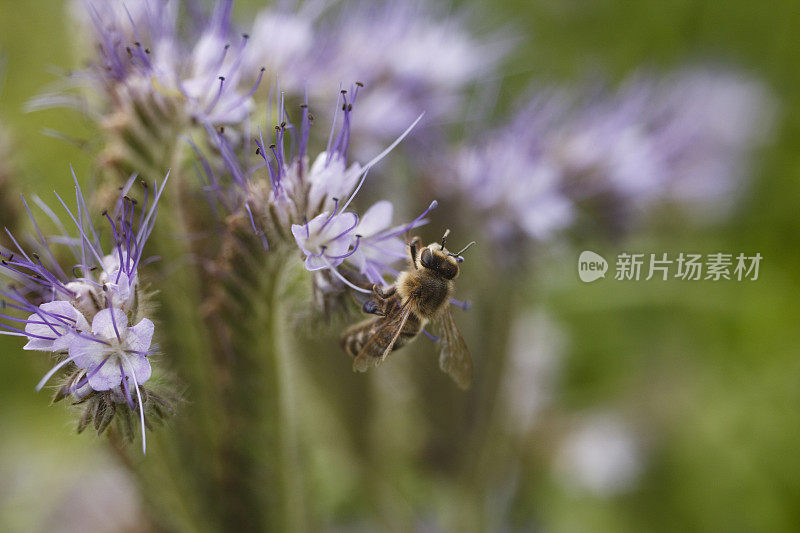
[
  {"x": 61, "y": 308},
  {"x": 83, "y": 300},
  {"x": 318, "y": 223},
  {"x": 324, "y": 178},
  {"x": 63, "y": 342},
  {"x": 103, "y": 325},
  {"x": 81, "y": 324},
  {"x": 120, "y": 288},
  {"x": 376, "y": 219},
  {"x": 141, "y": 335},
  {"x": 106, "y": 377},
  {"x": 87, "y": 353},
  {"x": 300, "y": 234},
  {"x": 359, "y": 259},
  {"x": 140, "y": 367},
  {"x": 38, "y": 344},
  {"x": 387, "y": 250},
  {"x": 340, "y": 224},
  {"x": 59, "y": 326},
  {"x": 319, "y": 164},
  {"x": 317, "y": 263},
  {"x": 336, "y": 249}
]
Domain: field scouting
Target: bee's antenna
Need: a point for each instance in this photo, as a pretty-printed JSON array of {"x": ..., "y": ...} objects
[
  {"x": 444, "y": 237},
  {"x": 464, "y": 249}
]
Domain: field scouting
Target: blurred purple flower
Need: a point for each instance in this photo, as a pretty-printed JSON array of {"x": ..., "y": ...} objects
[
  {"x": 686, "y": 137},
  {"x": 413, "y": 56},
  {"x": 508, "y": 177},
  {"x": 284, "y": 40},
  {"x": 144, "y": 59},
  {"x": 682, "y": 138}
]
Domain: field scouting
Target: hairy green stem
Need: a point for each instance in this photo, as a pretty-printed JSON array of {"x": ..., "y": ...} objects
[
  {"x": 230, "y": 459},
  {"x": 178, "y": 475},
  {"x": 255, "y": 374}
]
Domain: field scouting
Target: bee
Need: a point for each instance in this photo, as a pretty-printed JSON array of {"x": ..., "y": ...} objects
[{"x": 420, "y": 294}]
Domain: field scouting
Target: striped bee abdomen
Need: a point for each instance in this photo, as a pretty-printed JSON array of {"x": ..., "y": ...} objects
[
  {"x": 354, "y": 337},
  {"x": 376, "y": 334}
]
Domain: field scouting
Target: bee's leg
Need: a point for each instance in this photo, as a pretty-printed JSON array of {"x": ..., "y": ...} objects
[
  {"x": 371, "y": 307},
  {"x": 413, "y": 246},
  {"x": 388, "y": 293}
]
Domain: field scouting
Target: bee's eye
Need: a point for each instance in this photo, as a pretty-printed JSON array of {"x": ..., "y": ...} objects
[
  {"x": 448, "y": 270},
  {"x": 427, "y": 258}
]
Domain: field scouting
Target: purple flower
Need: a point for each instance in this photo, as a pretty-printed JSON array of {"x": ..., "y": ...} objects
[
  {"x": 95, "y": 277},
  {"x": 370, "y": 244},
  {"x": 146, "y": 62},
  {"x": 99, "y": 288},
  {"x": 288, "y": 193},
  {"x": 114, "y": 351},
  {"x": 506, "y": 174},
  {"x": 514, "y": 187},
  {"x": 412, "y": 56},
  {"x": 611, "y": 152},
  {"x": 212, "y": 81},
  {"x": 286, "y": 185},
  {"x": 283, "y": 41},
  {"x": 325, "y": 240},
  {"x": 292, "y": 187},
  {"x": 683, "y": 137}
]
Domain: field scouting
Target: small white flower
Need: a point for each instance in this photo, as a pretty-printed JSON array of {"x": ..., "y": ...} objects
[
  {"x": 602, "y": 456},
  {"x": 52, "y": 327},
  {"x": 120, "y": 286},
  {"x": 325, "y": 239},
  {"x": 114, "y": 350}
]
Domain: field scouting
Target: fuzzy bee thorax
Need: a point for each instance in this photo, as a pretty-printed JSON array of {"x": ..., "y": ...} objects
[{"x": 429, "y": 293}]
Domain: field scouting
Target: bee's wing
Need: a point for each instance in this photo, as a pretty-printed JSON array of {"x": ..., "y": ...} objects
[
  {"x": 454, "y": 357},
  {"x": 391, "y": 329}
]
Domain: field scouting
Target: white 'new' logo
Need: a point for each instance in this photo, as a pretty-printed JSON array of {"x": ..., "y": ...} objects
[{"x": 591, "y": 266}]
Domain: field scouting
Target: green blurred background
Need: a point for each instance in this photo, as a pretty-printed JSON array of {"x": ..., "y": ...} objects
[{"x": 706, "y": 373}]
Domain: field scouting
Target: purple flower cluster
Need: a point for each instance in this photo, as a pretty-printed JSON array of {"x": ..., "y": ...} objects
[
  {"x": 684, "y": 137},
  {"x": 292, "y": 195},
  {"x": 144, "y": 58},
  {"x": 412, "y": 56},
  {"x": 91, "y": 313}
]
